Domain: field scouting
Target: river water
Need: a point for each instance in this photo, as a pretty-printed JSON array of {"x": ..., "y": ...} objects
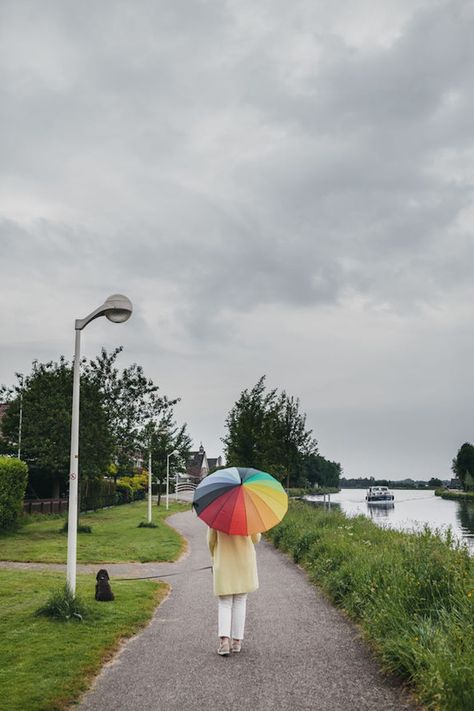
[{"x": 412, "y": 509}]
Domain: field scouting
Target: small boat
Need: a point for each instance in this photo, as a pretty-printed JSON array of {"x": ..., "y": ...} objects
[{"x": 379, "y": 495}]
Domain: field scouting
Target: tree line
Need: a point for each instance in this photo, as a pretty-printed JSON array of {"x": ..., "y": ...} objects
[
  {"x": 463, "y": 466},
  {"x": 122, "y": 416},
  {"x": 265, "y": 429}
]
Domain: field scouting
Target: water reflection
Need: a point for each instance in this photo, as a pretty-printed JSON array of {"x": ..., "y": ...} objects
[
  {"x": 380, "y": 510},
  {"x": 465, "y": 516}
]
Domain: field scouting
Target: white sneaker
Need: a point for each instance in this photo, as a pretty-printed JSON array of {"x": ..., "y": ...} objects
[
  {"x": 224, "y": 648},
  {"x": 236, "y": 645}
]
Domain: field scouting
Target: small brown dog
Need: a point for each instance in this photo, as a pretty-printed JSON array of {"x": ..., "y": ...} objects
[{"x": 103, "y": 591}]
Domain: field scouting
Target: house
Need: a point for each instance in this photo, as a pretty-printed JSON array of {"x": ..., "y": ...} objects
[
  {"x": 198, "y": 465},
  {"x": 215, "y": 463}
]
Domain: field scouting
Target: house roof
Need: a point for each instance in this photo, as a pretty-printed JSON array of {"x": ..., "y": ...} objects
[{"x": 194, "y": 463}]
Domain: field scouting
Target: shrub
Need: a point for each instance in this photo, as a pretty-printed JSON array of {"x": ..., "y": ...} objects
[
  {"x": 82, "y": 528},
  {"x": 62, "y": 605},
  {"x": 13, "y": 480},
  {"x": 97, "y": 493},
  {"x": 124, "y": 493}
]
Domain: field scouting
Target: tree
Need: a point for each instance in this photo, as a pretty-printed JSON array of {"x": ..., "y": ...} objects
[
  {"x": 46, "y": 426},
  {"x": 321, "y": 472},
  {"x": 162, "y": 437},
  {"x": 131, "y": 402},
  {"x": 435, "y": 483},
  {"x": 463, "y": 464},
  {"x": 266, "y": 430}
]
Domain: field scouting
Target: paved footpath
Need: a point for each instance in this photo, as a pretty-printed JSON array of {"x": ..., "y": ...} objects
[{"x": 299, "y": 652}]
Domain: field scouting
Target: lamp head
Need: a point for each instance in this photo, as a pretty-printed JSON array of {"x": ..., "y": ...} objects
[{"x": 118, "y": 308}]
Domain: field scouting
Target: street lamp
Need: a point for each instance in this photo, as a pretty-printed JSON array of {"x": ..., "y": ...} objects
[
  {"x": 175, "y": 452},
  {"x": 149, "y": 482},
  {"x": 117, "y": 308}
]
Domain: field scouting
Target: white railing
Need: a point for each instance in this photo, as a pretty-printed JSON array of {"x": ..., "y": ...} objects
[{"x": 185, "y": 487}]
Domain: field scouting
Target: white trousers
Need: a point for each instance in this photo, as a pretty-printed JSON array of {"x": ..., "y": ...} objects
[{"x": 231, "y": 615}]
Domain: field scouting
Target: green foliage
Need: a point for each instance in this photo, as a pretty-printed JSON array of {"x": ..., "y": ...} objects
[
  {"x": 131, "y": 400},
  {"x": 13, "y": 478},
  {"x": 321, "y": 472},
  {"x": 413, "y": 594},
  {"x": 124, "y": 493},
  {"x": 97, "y": 493},
  {"x": 46, "y": 426},
  {"x": 81, "y": 528},
  {"x": 463, "y": 466},
  {"x": 312, "y": 491},
  {"x": 266, "y": 430},
  {"x": 435, "y": 483},
  {"x": 147, "y": 524},
  {"x": 63, "y": 605},
  {"x": 455, "y": 495}
]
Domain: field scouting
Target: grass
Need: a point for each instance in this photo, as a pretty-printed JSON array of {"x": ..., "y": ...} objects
[
  {"x": 115, "y": 537},
  {"x": 455, "y": 495},
  {"x": 47, "y": 664},
  {"x": 411, "y": 593}
]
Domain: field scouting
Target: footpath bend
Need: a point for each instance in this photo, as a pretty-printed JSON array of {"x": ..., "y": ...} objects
[{"x": 299, "y": 652}]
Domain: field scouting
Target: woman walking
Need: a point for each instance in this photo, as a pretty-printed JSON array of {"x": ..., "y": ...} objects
[
  {"x": 237, "y": 503},
  {"x": 235, "y": 575}
]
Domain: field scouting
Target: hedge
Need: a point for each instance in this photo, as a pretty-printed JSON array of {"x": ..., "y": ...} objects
[{"x": 13, "y": 479}]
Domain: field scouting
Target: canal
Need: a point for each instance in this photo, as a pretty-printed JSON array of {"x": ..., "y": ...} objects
[{"x": 412, "y": 509}]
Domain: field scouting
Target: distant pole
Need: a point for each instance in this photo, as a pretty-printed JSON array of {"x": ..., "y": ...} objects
[
  {"x": 168, "y": 476},
  {"x": 20, "y": 423},
  {"x": 149, "y": 484}
]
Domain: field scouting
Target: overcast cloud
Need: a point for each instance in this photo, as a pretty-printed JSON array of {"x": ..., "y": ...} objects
[{"x": 280, "y": 188}]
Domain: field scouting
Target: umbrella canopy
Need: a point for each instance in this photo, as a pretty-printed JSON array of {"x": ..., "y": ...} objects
[{"x": 240, "y": 501}]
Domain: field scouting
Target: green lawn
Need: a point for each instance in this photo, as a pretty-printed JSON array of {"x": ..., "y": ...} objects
[
  {"x": 115, "y": 537},
  {"x": 46, "y": 664}
]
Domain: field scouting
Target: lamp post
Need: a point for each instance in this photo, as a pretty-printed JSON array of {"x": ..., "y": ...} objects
[
  {"x": 117, "y": 308},
  {"x": 168, "y": 476},
  {"x": 149, "y": 483}
]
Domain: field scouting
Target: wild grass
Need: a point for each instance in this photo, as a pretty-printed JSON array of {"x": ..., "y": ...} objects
[
  {"x": 47, "y": 664},
  {"x": 115, "y": 537},
  {"x": 412, "y": 594}
]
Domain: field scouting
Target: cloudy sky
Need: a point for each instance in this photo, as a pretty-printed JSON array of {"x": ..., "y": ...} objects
[{"x": 280, "y": 187}]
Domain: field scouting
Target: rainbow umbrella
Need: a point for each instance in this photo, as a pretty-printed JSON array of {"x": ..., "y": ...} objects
[{"x": 240, "y": 501}]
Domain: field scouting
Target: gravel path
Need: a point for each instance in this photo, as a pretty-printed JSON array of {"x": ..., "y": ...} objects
[{"x": 299, "y": 651}]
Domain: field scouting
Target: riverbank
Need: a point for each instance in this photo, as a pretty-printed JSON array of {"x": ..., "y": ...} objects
[
  {"x": 412, "y": 594},
  {"x": 318, "y": 491},
  {"x": 455, "y": 495}
]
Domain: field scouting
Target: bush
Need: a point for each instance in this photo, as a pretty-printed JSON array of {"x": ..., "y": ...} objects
[
  {"x": 97, "y": 493},
  {"x": 82, "y": 528},
  {"x": 124, "y": 493},
  {"x": 13, "y": 479},
  {"x": 62, "y": 605},
  {"x": 132, "y": 488}
]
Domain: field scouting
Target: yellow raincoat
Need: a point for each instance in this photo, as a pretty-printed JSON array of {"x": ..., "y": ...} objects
[{"x": 234, "y": 562}]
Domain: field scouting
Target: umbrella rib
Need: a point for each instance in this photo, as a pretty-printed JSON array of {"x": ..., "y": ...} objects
[{"x": 224, "y": 503}]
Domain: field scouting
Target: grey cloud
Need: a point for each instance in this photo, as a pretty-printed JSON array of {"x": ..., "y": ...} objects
[{"x": 194, "y": 153}]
